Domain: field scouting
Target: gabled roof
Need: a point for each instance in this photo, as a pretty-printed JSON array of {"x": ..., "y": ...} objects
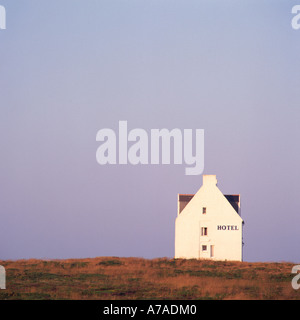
[
  {"x": 233, "y": 199},
  {"x": 184, "y": 199}
]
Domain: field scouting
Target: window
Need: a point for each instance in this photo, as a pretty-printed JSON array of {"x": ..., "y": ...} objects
[
  {"x": 204, "y": 210},
  {"x": 204, "y": 248},
  {"x": 204, "y": 231}
]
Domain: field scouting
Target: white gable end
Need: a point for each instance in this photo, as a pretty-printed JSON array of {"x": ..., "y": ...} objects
[{"x": 207, "y": 225}]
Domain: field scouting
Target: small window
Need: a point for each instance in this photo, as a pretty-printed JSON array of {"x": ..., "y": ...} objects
[
  {"x": 203, "y": 231},
  {"x": 204, "y": 248},
  {"x": 204, "y": 210}
]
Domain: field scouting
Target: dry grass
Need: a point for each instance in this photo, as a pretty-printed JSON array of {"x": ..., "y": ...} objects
[{"x": 136, "y": 278}]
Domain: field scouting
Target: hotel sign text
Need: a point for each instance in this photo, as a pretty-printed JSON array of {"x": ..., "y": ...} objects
[{"x": 226, "y": 227}]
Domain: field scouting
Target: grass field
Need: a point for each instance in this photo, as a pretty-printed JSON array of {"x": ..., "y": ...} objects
[{"x": 137, "y": 278}]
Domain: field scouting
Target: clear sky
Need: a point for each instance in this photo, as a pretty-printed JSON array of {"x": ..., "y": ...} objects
[{"x": 71, "y": 67}]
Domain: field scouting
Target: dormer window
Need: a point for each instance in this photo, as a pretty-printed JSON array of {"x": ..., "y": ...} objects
[{"x": 204, "y": 210}]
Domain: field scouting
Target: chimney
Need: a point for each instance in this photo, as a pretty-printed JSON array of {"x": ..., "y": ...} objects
[{"x": 209, "y": 180}]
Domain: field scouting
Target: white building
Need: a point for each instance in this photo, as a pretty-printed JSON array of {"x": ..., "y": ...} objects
[{"x": 209, "y": 224}]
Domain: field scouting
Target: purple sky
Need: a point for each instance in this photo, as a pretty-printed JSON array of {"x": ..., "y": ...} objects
[{"x": 69, "y": 68}]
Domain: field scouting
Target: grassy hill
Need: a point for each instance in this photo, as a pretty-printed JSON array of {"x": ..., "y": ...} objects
[{"x": 136, "y": 278}]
